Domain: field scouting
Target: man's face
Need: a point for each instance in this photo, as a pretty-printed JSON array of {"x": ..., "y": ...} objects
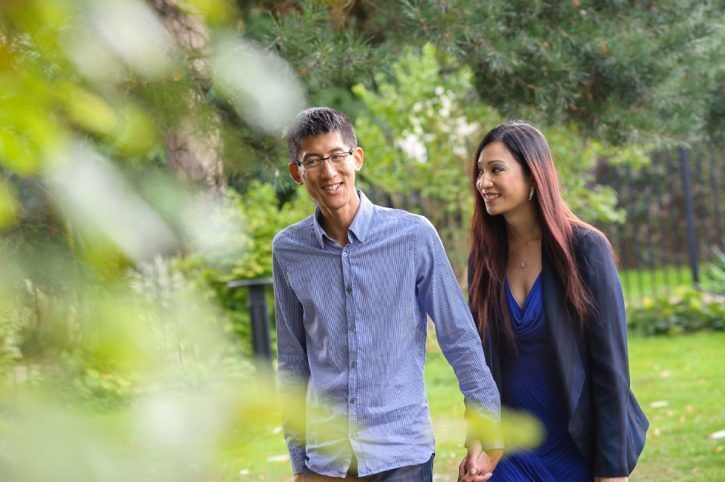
[{"x": 331, "y": 185}]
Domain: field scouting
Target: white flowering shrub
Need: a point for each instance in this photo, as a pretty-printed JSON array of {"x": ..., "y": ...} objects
[{"x": 420, "y": 129}]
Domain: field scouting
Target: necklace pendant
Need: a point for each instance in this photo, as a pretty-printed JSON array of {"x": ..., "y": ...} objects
[{"x": 523, "y": 264}]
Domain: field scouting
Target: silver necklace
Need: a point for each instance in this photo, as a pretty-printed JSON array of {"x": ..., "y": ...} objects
[{"x": 522, "y": 265}]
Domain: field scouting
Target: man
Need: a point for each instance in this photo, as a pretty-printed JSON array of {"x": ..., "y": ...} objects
[{"x": 354, "y": 284}]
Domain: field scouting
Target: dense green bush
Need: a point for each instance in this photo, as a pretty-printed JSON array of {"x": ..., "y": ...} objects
[{"x": 685, "y": 310}]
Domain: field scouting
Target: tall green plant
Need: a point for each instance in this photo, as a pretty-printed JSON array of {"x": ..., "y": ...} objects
[
  {"x": 420, "y": 128},
  {"x": 248, "y": 253}
]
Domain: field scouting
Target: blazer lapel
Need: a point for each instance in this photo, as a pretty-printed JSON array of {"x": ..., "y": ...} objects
[{"x": 563, "y": 335}]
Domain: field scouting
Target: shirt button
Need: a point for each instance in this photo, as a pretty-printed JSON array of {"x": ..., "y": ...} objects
[
  {"x": 344, "y": 253},
  {"x": 351, "y": 327},
  {"x": 352, "y": 401},
  {"x": 353, "y": 364},
  {"x": 349, "y": 289}
]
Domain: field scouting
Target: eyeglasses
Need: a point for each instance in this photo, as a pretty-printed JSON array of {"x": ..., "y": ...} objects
[{"x": 312, "y": 163}]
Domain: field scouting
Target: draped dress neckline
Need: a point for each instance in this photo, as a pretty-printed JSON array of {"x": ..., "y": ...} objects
[{"x": 528, "y": 317}]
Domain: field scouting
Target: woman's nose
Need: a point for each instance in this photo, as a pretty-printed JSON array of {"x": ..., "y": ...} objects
[{"x": 484, "y": 181}]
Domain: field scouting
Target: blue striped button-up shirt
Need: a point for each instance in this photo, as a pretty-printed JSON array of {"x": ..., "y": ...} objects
[{"x": 351, "y": 335}]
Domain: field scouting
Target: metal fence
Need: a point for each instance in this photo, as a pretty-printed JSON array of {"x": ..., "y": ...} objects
[{"x": 674, "y": 221}]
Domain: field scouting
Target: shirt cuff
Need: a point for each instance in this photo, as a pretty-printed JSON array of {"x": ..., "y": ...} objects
[{"x": 297, "y": 457}]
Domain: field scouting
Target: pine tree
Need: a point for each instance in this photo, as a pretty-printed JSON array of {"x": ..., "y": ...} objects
[{"x": 640, "y": 71}]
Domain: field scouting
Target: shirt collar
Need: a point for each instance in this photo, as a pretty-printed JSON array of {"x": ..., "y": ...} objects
[{"x": 360, "y": 223}]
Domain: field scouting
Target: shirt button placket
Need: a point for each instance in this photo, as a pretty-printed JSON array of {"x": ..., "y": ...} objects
[{"x": 352, "y": 341}]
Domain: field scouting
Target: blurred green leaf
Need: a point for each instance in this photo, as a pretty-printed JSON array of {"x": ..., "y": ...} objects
[
  {"x": 9, "y": 206},
  {"x": 88, "y": 110}
]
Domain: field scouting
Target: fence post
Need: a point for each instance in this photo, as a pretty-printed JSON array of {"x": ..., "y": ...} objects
[
  {"x": 689, "y": 214},
  {"x": 258, "y": 314},
  {"x": 716, "y": 198}
]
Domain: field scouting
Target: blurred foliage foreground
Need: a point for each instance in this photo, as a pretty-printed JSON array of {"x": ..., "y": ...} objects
[
  {"x": 120, "y": 355},
  {"x": 114, "y": 364}
]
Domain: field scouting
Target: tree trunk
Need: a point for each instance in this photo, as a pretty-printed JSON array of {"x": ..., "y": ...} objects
[{"x": 194, "y": 150}]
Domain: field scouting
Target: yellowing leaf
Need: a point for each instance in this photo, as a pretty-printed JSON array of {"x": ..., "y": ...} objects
[
  {"x": 9, "y": 206},
  {"x": 90, "y": 111},
  {"x": 16, "y": 154},
  {"x": 136, "y": 133},
  {"x": 214, "y": 11}
]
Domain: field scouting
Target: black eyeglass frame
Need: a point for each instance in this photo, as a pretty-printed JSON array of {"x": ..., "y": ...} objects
[{"x": 323, "y": 159}]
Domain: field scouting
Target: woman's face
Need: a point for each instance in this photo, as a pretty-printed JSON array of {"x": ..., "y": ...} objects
[{"x": 501, "y": 181}]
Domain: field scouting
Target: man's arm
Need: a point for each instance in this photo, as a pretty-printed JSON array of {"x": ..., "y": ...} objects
[
  {"x": 293, "y": 367},
  {"x": 441, "y": 297}
]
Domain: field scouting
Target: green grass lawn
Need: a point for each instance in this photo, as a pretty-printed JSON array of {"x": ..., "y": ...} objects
[{"x": 678, "y": 381}]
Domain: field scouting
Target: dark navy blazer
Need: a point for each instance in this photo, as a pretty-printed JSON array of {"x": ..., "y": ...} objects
[{"x": 605, "y": 420}]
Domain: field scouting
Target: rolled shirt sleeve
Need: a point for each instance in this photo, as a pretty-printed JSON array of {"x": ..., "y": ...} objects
[{"x": 441, "y": 298}]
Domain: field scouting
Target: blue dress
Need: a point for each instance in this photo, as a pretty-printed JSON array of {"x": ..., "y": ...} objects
[{"x": 530, "y": 382}]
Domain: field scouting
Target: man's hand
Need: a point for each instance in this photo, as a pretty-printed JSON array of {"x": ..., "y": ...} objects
[
  {"x": 611, "y": 479},
  {"x": 298, "y": 478},
  {"x": 478, "y": 465}
]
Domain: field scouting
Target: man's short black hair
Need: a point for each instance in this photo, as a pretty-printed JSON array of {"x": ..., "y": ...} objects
[{"x": 316, "y": 121}]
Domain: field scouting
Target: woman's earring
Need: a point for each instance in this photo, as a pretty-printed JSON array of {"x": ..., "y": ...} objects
[{"x": 531, "y": 193}]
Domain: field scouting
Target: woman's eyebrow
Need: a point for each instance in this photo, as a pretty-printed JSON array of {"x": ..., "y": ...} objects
[{"x": 490, "y": 161}]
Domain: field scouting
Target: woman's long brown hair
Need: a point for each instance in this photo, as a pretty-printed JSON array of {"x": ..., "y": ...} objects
[{"x": 489, "y": 242}]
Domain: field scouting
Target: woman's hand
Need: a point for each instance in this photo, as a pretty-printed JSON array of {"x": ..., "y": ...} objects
[
  {"x": 611, "y": 479},
  {"x": 478, "y": 465}
]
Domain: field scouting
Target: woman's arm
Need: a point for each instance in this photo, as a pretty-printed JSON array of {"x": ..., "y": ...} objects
[{"x": 606, "y": 336}]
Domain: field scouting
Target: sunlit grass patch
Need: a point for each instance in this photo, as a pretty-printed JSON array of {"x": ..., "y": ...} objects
[{"x": 678, "y": 382}]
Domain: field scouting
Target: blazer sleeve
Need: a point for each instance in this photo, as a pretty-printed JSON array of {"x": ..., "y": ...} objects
[{"x": 606, "y": 336}]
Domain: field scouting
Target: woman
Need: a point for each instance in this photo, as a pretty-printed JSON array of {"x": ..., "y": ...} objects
[{"x": 546, "y": 296}]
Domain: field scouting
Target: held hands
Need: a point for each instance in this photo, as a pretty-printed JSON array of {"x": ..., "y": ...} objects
[
  {"x": 478, "y": 465},
  {"x": 611, "y": 479},
  {"x": 298, "y": 478}
]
